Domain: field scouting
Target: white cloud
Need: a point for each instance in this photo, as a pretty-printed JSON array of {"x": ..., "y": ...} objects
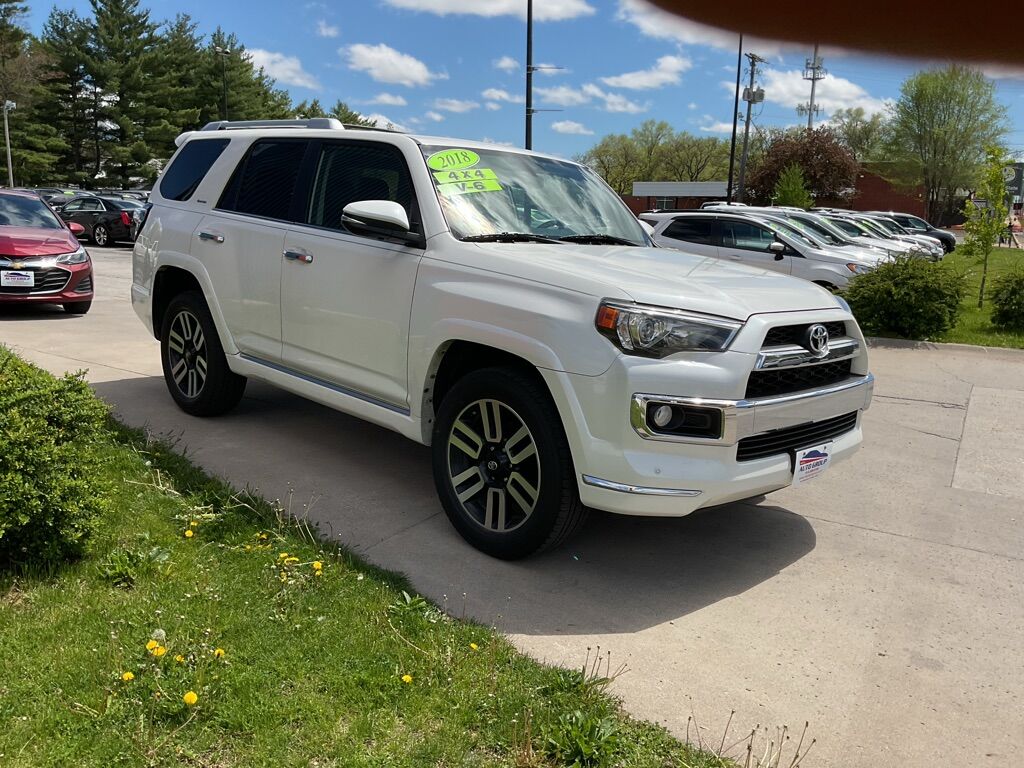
[
  {"x": 549, "y": 10},
  {"x": 486, "y": 140},
  {"x": 665, "y": 72},
  {"x": 323, "y": 29},
  {"x": 499, "y": 94},
  {"x": 562, "y": 96},
  {"x": 692, "y": 105},
  {"x": 285, "y": 69},
  {"x": 654, "y": 22},
  {"x": 386, "y": 65},
  {"x": 506, "y": 63},
  {"x": 388, "y": 99},
  {"x": 492, "y": 106},
  {"x": 455, "y": 105},
  {"x": 437, "y": 117},
  {"x": 572, "y": 127},
  {"x": 383, "y": 121},
  {"x": 788, "y": 88},
  {"x": 614, "y": 102},
  {"x": 710, "y": 125}
]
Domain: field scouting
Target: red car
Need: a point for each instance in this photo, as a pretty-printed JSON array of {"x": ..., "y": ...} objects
[{"x": 41, "y": 261}]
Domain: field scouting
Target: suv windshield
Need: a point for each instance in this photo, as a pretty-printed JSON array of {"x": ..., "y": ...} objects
[
  {"x": 22, "y": 211},
  {"x": 490, "y": 192}
]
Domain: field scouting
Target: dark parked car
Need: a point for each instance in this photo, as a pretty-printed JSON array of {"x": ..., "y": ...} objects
[
  {"x": 918, "y": 226},
  {"x": 105, "y": 219}
]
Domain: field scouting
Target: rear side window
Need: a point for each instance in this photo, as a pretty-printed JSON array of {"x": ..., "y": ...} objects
[
  {"x": 692, "y": 231},
  {"x": 264, "y": 182},
  {"x": 180, "y": 181}
]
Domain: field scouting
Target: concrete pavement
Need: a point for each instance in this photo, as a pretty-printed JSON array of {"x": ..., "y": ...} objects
[{"x": 884, "y": 603}]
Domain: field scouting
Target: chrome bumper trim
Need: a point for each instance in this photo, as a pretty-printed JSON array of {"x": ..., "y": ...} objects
[
  {"x": 639, "y": 490},
  {"x": 743, "y": 418}
]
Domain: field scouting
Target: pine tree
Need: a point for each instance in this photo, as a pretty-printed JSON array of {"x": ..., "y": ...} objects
[{"x": 791, "y": 189}]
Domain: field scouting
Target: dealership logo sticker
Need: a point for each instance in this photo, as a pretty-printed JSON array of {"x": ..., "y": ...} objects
[
  {"x": 811, "y": 462},
  {"x": 17, "y": 279}
]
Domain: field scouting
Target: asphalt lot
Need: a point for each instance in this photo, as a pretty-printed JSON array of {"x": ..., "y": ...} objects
[{"x": 883, "y": 603}]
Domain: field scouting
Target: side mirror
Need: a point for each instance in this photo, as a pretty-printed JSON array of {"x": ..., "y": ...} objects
[
  {"x": 778, "y": 248},
  {"x": 379, "y": 218},
  {"x": 76, "y": 228}
]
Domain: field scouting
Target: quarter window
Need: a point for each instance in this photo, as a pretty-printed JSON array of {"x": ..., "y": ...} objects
[
  {"x": 692, "y": 231},
  {"x": 180, "y": 181},
  {"x": 264, "y": 182},
  {"x": 351, "y": 172}
]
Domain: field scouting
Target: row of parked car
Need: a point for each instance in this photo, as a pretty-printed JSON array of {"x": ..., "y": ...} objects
[
  {"x": 827, "y": 246},
  {"x": 106, "y": 216}
]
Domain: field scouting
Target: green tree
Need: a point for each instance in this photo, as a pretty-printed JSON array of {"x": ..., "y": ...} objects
[
  {"x": 252, "y": 95},
  {"x": 695, "y": 158},
  {"x": 940, "y": 128},
  {"x": 985, "y": 222},
  {"x": 864, "y": 136},
  {"x": 829, "y": 169},
  {"x": 791, "y": 189},
  {"x": 616, "y": 158}
]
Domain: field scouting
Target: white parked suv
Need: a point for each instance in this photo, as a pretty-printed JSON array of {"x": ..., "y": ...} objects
[{"x": 503, "y": 307}]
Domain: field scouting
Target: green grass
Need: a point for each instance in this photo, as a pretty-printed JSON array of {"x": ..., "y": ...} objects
[
  {"x": 312, "y": 672},
  {"x": 975, "y": 325}
]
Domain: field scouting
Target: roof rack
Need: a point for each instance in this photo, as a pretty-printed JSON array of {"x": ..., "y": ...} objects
[{"x": 313, "y": 122}]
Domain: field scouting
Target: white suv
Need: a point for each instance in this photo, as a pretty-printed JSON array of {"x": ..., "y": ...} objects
[{"x": 501, "y": 306}]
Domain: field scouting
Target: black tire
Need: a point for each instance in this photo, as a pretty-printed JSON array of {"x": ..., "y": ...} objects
[
  {"x": 77, "y": 307},
  {"x": 190, "y": 347},
  {"x": 101, "y": 235},
  {"x": 505, "y": 466}
]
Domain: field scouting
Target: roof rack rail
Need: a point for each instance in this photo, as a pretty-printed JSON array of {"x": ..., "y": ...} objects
[
  {"x": 358, "y": 127},
  {"x": 313, "y": 122}
]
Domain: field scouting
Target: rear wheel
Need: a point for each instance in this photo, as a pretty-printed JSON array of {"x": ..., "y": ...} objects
[
  {"x": 77, "y": 307},
  {"x": 100, "y": 235},
  {"x": 502, "y": 465},
  {"x": 195, "y": 367}
]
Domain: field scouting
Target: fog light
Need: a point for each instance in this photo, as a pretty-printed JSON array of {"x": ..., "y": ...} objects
[{"x": 662, "y": 415}]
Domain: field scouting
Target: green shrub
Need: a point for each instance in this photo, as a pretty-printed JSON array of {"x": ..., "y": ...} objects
[
  {"x": 50, "y": 497},
  {"x": 1008, "y": 300},
  {"x": 909, "y": 297}
]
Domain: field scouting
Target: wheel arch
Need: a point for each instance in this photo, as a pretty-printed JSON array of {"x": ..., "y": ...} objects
[{"x": 172, "y": 279}]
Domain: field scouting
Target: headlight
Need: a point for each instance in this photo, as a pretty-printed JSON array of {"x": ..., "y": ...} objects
[
  {"x": 859, "y": 269},
  {"x": 78, "y": 257},
  {"x": 658, "y": 332}
]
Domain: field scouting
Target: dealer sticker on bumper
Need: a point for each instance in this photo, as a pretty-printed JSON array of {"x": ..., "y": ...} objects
[
  {"x": 811, "y": 462},
  {"x": 13, "y": 279}
]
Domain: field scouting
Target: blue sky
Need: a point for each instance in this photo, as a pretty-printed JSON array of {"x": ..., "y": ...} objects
[{"x": 454, "y": 67}]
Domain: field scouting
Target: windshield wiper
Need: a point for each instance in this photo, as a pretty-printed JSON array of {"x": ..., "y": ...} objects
[
  {"x": 598, "y": 239},
  {"x": 508, "y": 237}
]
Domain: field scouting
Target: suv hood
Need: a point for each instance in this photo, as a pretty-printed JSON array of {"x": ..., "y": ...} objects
[{"x": 662, "y": 276}]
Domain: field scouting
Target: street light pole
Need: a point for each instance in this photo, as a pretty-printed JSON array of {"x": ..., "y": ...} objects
[
  {"x": 529, "y": 74},
  {"x": 8, "y": 106},
  {"x": 223, "y": 53},
  {"x": 735, "y": 120}
]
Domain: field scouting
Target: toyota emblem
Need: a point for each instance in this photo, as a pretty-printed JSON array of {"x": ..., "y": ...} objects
[{"x": 817, "y": 340}]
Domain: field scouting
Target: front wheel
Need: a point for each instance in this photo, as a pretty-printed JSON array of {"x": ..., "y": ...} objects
[
  {"x": 195, "y": 368},
  {"x": 502, "y": 466}
]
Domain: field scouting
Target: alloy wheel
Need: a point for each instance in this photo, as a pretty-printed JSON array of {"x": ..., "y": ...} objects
[
  {"x": 99, "y": 234},
  {"x": 494, "y": 466},
  {"x": 187, "y": 354}
]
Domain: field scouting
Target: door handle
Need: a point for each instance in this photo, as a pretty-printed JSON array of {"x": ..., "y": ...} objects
[
  {"x": 305, "y": 258},
  {"x": 211, "y": 236}
]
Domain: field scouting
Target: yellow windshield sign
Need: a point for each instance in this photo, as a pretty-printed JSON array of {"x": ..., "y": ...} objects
[
  {"x": 469, "y": 187},
  {"x": 453, "y": 159},
  {"x": 470, "y": 174}
]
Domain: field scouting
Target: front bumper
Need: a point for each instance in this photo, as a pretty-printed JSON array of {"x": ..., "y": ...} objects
[
  {"x": 620, "y": 469},
  {"x": 78, "y": 287}
]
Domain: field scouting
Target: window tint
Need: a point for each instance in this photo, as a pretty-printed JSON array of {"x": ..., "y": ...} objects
[
  {"x": 179, "y": 182},
  {"x": 741, "y": 234},
  {"x": 264, "y": 182},
  {"x": 347, "y": 173},
  {"x": 692, "y": 231}
]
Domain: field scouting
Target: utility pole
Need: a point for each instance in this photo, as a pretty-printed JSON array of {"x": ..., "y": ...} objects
[
  {"x": 752, "y": 96},
  {"x": 529, "y": 74},
  {"x": 8, "y": 106},
  {"x": 813, "y": 71},
  {"x": 735, "y": 120}
]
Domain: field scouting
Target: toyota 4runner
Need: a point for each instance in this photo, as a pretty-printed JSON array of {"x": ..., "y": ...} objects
[{"x": 503, "y": 307}]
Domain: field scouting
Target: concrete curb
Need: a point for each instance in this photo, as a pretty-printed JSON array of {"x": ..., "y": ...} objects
[{"x": 881, "y": 342}]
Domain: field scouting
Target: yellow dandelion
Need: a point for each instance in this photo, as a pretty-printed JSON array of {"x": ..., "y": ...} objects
[
  {"x": 194, "y": 524},
  {"x": 282, "y": 556},
  {"x": 318, "y": 573},
  {"x": 151, "y": 645},
  {"x": 474, "y": 646},
  {"x": 180, "y": 659},
  {"x": 127, "y": 676},
  {"x": 261, "y": 536},
  {"x": 283, "y": 576},
  {"x": 159, "y": 651},
  {"x": 406, "y": 679},
  {"x": 248, "y": 547},
  {"x": 189, "y": 533},
  {"x": 219, "y": 653},
  {"x": 190, "y": 698},
  {"x": 291, "y": 560},
  {"x": 317, "y": 565}
]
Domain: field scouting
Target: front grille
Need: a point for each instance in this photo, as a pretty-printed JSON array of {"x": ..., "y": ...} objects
[
  {"x": 84, "y": 285},
  {"x": 51, "y": 280},
  {"x": 794, "y": 334},
  {"x": 794, "y": 438},
  {"x": 782, "y": 381}
]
